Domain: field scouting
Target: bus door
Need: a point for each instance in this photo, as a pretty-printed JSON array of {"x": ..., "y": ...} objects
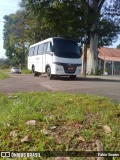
[
  {"x": 49, "y": 54},
  {"x": 44, "y": 57},
  {"x": 39, "y": 57}
]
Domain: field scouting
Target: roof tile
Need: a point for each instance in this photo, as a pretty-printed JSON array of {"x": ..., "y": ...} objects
[{"x": 109, "y": 54}]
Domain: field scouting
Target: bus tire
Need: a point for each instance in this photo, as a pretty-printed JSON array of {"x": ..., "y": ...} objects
[
  {"x": 48, "y": 71},
  {"x": 72, "y": 77}
]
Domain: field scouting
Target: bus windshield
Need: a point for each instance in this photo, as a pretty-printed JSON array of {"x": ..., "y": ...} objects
[{"x": 66, "y": 48}]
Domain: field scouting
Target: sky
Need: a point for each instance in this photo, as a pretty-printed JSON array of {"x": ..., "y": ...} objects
[{"x": 11, "y": 6}]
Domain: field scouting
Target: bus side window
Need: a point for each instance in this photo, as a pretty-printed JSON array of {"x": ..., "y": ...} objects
[
  {"x": 42, "y": 48},
  {"x": 45, "y": 48},
  {"x": 48, "y": 47},
  {"x": 39, "y": 50},
  {"x": 36, "y": 49},
  {"x": 32, "y": 51}
]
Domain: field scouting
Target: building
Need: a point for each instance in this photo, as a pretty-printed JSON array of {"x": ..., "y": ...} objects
[{"x": 109, "y": 60}]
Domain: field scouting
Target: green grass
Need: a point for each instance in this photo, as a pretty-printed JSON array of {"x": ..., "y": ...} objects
[
  {"x": 26, "y": 71},
  {"x": 61, "y": 119},
  {"x": 3, "y": 74},
  {"x": 23, "y": 71}
]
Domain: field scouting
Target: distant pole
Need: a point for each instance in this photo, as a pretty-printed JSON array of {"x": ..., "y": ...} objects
[
  {"x": 85, "y": 55},
  {"x": 112, "y": 67},
  {"x": 104, "y": 67}
]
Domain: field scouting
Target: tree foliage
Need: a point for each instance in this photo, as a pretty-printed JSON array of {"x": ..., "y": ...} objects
[
  {"x": 14, "y": 38},
  {"x": 118, "y": 46},
  {"x": 4, "y": 63}
]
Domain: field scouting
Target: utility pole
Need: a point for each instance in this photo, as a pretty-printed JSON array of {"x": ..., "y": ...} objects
[{"x": 85, "y": 55}]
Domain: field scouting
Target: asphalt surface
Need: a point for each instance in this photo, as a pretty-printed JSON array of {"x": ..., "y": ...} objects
[{"x": 107, "y": 86}]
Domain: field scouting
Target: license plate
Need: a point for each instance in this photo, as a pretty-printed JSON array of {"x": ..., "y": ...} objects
[{"x": 71, "y": 68}]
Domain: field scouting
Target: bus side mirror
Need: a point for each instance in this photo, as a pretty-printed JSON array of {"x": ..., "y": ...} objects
[{"x": 53, "y": 49}]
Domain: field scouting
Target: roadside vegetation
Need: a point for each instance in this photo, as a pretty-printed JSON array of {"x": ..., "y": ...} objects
[
  {"x": 3, "y": 74},
  {"x": 58, "y": 122},
  {"x": 26, "y": 71}
]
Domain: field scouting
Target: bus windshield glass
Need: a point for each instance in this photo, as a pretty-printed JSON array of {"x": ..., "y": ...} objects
[{"x": 66, "y": 48}]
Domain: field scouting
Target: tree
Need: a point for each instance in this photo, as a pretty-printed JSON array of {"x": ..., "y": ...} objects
[
  {"x": 93, "y": 9},
  {"x": 4, "y": 63},
  {"x": 21, "y": 30},
  {"x": 118, "y": 46},
  {"x": 14, "y": 38},
  {"x": 57, "y": 18}
]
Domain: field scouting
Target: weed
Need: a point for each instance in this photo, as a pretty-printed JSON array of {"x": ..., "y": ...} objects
[{"x": 63, "y": 122}]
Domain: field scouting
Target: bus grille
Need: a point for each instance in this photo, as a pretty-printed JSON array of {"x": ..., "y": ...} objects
[{"x": 69, "y": 69}]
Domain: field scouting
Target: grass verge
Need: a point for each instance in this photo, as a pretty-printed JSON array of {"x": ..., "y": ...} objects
[
  {"x": 3, "y": 75},
  {"x": 26, "y": 71},
  {"x": 60, "y": 122}
]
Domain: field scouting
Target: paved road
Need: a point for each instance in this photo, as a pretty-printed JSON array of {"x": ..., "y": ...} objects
[{"x": 104, "y": 85}]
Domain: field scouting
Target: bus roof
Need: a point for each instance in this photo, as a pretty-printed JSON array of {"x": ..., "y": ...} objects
[
  {"x": 44, "y": 41},
  {"x": 50, "y": 39}
]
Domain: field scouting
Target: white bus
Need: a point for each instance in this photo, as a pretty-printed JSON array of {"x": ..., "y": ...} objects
[{"x": 55, "y": 57}]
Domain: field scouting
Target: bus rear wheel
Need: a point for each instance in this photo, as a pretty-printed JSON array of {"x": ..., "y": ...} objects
[{"x": 48, "y": 71}]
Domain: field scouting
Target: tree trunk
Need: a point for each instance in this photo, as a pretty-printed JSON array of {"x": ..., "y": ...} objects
[
  {"x": 94, "y": 40},
  {"x": 94, "y": 53},
  {"x": 93, "y": 49}
]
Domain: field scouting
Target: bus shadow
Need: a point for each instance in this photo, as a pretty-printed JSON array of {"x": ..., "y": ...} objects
[{"x": 65, "y": 78}]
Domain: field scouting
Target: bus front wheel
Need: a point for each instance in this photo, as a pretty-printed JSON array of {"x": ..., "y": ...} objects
[{"x": 49, "y": 75}]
